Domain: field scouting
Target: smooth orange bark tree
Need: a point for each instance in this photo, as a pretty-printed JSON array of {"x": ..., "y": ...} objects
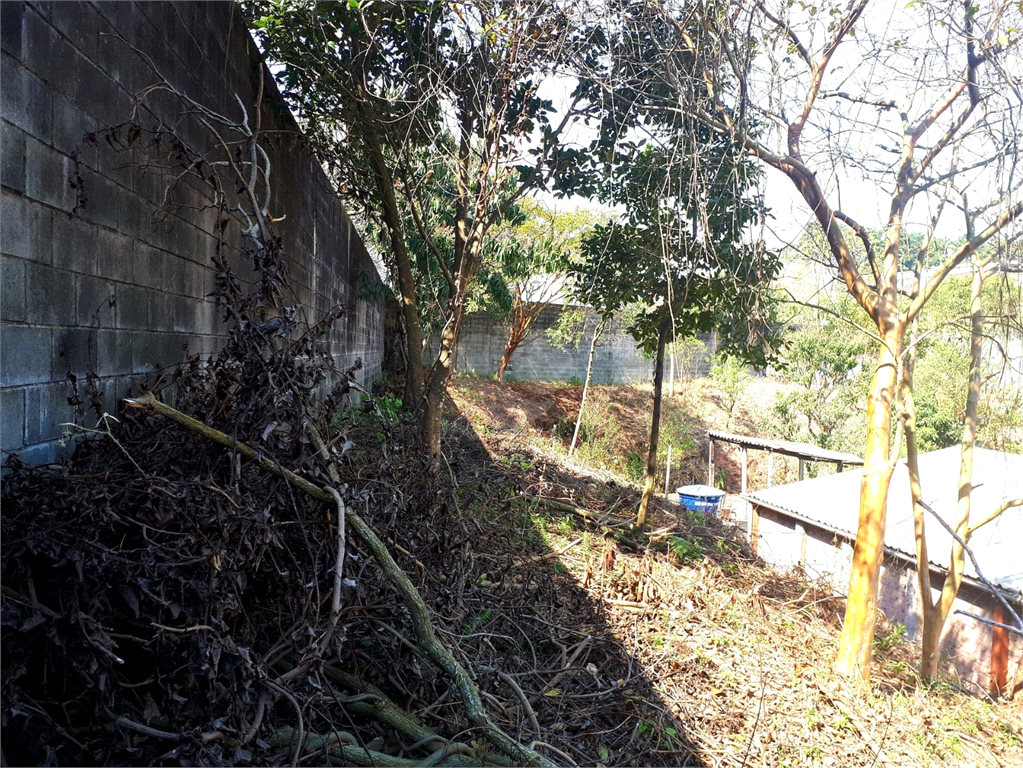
[{"x": 907, "y": 99}]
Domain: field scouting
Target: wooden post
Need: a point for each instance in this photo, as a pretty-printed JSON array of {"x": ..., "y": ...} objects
[
  {"x": 802, "y": 469},
  {"x": 749, "y": 509},
  {"x": 999, "y": 654},
  {"x": 753, "y": 527},
  {"x": 801, "y": 530},
  {"x": 770, "y": 469},
  {"x": 841, "y": 466},
  {"x": 667, "y": 472},
  {"x": 710, "y": 462}
]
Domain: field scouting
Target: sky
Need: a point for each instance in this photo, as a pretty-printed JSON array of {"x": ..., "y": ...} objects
[{"x": 897, "y": 46}]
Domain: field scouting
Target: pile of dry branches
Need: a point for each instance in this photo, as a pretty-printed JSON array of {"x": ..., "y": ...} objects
[
  {"x": 186, "y": 590},
  {"x": 173, "y": 595}
]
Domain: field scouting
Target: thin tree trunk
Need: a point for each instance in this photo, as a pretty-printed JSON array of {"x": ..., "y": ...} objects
[
  {"x": 655, "y": 426},
  {"x": 934, "y": 623},
  {"x": 958, "y": 562},
  {"x": 431, "y": 419},
  {"x": 414, "y": 380},
  {"x": 929, "y": 611},
  {"x": 586, "y": 386},
  {"x": 855, "y": 642},
  {"x": 509, "y": 348},
  {"x": 467, "y": 244}
]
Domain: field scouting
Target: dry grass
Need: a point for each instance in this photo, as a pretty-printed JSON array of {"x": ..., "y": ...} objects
[{"x": 739, "y": 658}]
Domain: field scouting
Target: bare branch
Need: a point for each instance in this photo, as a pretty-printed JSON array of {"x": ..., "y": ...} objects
[
  {"x": 864, "y": 236},
  {"x": 993, "y": 514},
  {"x": 976, "y": 566},
  {"x": 968, "y": 249}
]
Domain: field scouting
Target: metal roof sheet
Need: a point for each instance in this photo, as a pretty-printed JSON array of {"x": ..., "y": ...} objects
[
  {"x": 807, "y": 451},
  {"x": 834, "y": 500}
]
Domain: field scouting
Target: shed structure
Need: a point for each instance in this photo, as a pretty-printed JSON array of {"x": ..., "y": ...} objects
[
  {"x": 811, "y": 526},
  {"x": 803, "y": 451}
]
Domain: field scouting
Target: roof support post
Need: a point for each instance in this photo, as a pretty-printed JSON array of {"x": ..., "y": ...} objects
[
  {"x": 710, "y": 462},
  {"x": 667, "y": 471}
]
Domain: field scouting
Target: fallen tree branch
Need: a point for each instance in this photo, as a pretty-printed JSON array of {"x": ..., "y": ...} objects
[
  {"x": 609, "y": 521},
  {"x": 300, "y": 735},
  {"x": 337, "y": 747},
  {"x": 386, "y": 711},
  {"x": 425, "y": 633},
  {"x": 335, "y": 610},
  {"x": 549, "y": 556},
  {"x": 527, "y": 708},
  {"x": 149, "y": 402}
]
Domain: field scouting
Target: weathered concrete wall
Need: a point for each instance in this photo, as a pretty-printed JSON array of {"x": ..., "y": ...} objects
[
  {"x": 110, "y": 289},
  {"x": 966, "y": 643},
  {"x": 617, "y": 361}
]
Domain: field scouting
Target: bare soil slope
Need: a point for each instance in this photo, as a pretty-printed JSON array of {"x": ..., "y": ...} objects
[
  {"x": 737, "y": 656},
  {"x": 165, "y": 602}
]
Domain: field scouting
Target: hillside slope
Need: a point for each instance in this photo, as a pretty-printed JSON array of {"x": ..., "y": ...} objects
[{"x": 737, "y": 656}]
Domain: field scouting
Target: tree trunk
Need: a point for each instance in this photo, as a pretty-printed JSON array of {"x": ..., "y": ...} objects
[
  {"x": 934, "y": 620},
  {"x": 930, "y": 637},
  {"x": 855, "y": 642},
  {"x": 958, "y": 559},
  {"x": 586, "y": 386},
  {"x": 414, "y": 381},
  {"x": 655, "y": 425},
  {"x": 509, "y": 348},
  {"x": 929, "y": 613},
  {"x": 431, "y": 419}
]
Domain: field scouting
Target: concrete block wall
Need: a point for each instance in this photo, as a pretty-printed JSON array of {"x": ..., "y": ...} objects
[
  {"x": 617, "y": 360},
  {"x": 109, "y": 288}
]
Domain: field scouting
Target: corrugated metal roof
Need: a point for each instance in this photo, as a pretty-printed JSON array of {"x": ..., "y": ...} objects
[
  {"x": 834, "y": 501},
  {"x": 807, "y": 451}
]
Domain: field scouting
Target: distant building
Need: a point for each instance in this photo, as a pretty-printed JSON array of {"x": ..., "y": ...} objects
[{"x": 811, "y": 525}]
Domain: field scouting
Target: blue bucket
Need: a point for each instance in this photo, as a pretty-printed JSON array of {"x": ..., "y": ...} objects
[{"x": 701, "y": 498}]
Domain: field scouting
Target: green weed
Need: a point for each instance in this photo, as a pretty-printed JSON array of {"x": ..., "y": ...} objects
[
  {"x": 685, "y": 549},
  {"x": 887, "y": 640}
]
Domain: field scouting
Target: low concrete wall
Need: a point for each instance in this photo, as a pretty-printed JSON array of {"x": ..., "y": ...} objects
[
  {"x": 108, "y": 288},
  {"x": 617, "y": 361}
]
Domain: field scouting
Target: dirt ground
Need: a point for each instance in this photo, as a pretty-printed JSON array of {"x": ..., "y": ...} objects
[
  {"x": 737, "y": 656},
  {"x": 545, "y": 413},
  {"x": 159, "y": 595}
]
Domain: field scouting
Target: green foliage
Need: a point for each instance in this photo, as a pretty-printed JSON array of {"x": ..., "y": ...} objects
[
  {"x": 567, "y": 333},
  {"x": 731, "y": 377},
  {"x": 935, "y": 427},
  {"x": 635, "y": 464},
  {"x": 601, "y": 440},
  {"x": 680, "y": 253},
  {"x": 942, "y": 369},
  {"x": 895, "y": 636},
  {"x": 390, "y": 407},
  {"x": 828, "y": 360},
  {"x": 478, "y": 621},
  {"x": 685, "y": 549},
  {"x": 429, "y": 118}
]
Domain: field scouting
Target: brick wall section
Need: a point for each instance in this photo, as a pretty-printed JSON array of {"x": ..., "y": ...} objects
[
  {"x": 617, "y": 361},
  {"x": 110, "y": 289}
]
